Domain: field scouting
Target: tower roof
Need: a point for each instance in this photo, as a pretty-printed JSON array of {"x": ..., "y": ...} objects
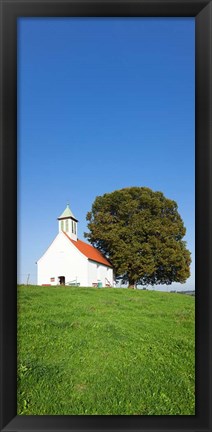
[{"x": 67, "y": 214}]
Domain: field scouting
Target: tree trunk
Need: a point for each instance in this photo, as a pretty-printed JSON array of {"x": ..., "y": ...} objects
[{"x": 131, "y": 283}]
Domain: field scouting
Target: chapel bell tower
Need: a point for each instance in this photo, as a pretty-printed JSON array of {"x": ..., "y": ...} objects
[{"x": 68, "y": 223}]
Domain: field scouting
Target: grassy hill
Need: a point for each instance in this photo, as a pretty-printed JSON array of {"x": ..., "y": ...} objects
[{"x": 105, "y": 352}]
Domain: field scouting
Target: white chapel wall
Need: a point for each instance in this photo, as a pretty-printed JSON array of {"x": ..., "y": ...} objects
[
  {"x": 62, "y": 259},
  {"x": 92, "y": 272},
  {"x": 99, "y": 273},
  {"x": 106, "y": 275}
]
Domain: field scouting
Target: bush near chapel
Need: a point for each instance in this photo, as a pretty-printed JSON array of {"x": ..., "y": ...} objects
[{"x": 141, "y": 232}]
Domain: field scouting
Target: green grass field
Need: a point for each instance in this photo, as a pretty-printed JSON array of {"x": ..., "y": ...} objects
[{"x": 105, "y": 351}]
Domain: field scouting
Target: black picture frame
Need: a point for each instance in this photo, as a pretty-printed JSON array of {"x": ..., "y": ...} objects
[{"x": 9, "y": 12}]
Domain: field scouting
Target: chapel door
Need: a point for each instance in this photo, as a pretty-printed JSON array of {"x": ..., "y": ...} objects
[{"x": 61, "y": 280}]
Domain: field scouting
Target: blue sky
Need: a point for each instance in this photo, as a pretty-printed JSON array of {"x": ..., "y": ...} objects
[{"x": 103, "y": 103}]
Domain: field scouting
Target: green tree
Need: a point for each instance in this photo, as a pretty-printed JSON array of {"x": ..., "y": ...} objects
[{"x": 140, "y": 231}]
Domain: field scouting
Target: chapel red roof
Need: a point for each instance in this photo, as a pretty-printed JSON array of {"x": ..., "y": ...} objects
[{"x": 89, "y": 251}]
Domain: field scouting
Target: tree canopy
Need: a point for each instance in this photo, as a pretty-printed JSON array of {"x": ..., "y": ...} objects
[{"x": 140, "y": 231}]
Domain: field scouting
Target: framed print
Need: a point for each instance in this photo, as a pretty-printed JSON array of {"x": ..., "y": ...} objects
[{"x": 90, "y": 93}]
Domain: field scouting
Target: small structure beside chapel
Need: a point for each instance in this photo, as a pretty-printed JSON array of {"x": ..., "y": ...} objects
[{"x": 70, "y": 261}]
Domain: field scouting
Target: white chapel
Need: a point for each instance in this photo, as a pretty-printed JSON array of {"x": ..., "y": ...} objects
[{"x": 70, "y": 261}]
